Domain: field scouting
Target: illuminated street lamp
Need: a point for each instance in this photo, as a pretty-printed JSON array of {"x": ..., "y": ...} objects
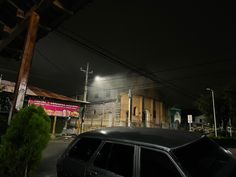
[
  {"x": 213, "y": 106},
  {"x": 98, "y": 78}
]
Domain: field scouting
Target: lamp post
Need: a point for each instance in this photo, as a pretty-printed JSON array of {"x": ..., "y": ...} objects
[{"x": 213, "y": 107}]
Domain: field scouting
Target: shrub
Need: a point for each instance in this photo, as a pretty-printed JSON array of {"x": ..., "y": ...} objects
[{"x": 24, "y": 141}]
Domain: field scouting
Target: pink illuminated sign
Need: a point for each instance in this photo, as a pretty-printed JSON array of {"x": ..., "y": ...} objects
[{"x": 57, "y": 109}]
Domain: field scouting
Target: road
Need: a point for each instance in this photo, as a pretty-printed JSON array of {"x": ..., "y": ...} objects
[{"x": 47, "y": 166}]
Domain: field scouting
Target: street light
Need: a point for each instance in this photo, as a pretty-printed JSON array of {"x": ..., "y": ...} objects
[
  {"x": 213, "y": 106},
  {"x": 98, "y": 78}
]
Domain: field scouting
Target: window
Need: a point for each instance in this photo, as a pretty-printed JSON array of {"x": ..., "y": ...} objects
[
  {"x": 116, "y": 158},
  {"x": 154, "y": 114},
  {"x": 134, "y": 111},
  {"x": 108, "y": 93},
  {"x": 96, "y": 95},
  {"x": 207, "y": 156},
  {"x": 156, "y": 164},
  {"x": 84, "y": 148}
]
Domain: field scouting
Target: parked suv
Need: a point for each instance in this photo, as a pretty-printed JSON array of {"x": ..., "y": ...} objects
[{"x": 144, "y": 152}]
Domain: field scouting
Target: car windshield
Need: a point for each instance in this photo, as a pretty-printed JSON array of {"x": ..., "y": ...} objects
[{"x": 206, "y": 159}]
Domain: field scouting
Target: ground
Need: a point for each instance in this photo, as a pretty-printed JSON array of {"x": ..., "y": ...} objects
[{"x": 54, "y": 149}]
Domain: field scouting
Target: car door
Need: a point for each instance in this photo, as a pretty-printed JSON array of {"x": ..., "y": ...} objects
[
  {"x": 156, "y": 163},
  {"x": 113, "y": 160},
  {"x": 78, "y": 157}
]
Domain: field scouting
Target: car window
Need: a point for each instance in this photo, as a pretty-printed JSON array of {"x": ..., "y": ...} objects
[
  {"x": 117, "y": 158},
  {"x": 156, "y": 164},
  {"x": 84, "y": 148},
  {"x": 207, "y": 156}
]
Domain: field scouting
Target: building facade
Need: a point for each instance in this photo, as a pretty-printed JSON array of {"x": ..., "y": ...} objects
[
  {"x": 110, "y": 106},
  {"x": 145, "y": 112}
]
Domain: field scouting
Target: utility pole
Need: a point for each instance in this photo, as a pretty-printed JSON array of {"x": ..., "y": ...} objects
[
  {"x": 87, "y": 72},
  {"x": 103, "y": 113},
  {"x": 213, "y": 106},
  {"x": 129, "y": 108},
  {"x": 22, "y": 81}
]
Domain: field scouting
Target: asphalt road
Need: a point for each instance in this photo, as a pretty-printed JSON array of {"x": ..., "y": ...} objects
[{"x": 47, "y": 166}]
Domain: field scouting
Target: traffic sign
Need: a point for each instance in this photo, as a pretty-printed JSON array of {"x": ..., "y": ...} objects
[{"x": 190, "y": 119}]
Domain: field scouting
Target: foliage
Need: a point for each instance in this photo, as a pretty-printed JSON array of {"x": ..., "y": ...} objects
[
  {"x": 204, "y": 104},
  {"x": 24, "y": 141},
  {"x": 225, "y": 107}
]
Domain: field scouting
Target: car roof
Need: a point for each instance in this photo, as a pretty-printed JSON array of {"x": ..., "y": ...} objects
[{"x": 165, "y": 138}]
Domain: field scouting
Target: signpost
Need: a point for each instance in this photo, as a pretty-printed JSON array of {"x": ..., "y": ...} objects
[{"x": 190, "y": 121}]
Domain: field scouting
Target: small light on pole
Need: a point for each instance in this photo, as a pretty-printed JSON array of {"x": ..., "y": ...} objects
[
  {"x": 98, "y": 78},
  {"x": 213, "y": 106}
]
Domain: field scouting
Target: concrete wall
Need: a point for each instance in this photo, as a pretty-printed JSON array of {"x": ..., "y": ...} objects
[{"x": 101, "y": 115}]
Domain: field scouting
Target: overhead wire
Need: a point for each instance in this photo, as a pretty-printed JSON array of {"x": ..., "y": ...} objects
[
  {"x": 49, "y": 61},
  {"x": 202, "y": 75},
  {"x": 196, "y": 65},
  {"x": 107, "y": 55}
]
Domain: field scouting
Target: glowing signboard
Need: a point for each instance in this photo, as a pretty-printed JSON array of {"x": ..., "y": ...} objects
[{"x": 57, "y": 109}]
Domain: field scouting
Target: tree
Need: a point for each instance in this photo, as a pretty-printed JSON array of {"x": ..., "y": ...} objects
[
  {"x": 224, "y": 107},
  {"x": 204, "y": 105},
  {"x": 24, "y": 141}
]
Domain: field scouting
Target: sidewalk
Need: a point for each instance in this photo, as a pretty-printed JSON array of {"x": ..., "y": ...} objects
[{"x": 63, "y": 139}]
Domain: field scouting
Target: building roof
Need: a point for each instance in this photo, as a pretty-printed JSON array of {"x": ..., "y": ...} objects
[
  {"x": 8, "y": 86},
  {"x": 15, "y": 14},
  {"x": 164, "y": 138}
]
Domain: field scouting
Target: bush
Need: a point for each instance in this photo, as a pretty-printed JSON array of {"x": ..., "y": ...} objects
[{"x": 24, "y": 141}]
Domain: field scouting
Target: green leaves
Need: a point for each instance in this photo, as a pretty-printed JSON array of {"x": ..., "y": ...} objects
[
  {"x": 24, "y": 141},
  {"x": 224, "y": 105}
]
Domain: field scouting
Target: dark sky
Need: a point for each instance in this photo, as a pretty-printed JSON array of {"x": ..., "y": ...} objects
[{"x": 185, "y": 46}]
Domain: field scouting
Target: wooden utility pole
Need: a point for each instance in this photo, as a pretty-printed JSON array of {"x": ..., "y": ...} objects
[
  {"x": 54, "y": 127},
  {"x": 21, "y": 85}
]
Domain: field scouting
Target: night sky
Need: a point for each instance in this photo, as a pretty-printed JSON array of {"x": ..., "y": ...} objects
[{"x": 184, "y": 46}]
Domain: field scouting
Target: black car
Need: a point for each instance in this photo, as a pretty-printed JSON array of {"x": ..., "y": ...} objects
[{"x": 145, "y": 152}]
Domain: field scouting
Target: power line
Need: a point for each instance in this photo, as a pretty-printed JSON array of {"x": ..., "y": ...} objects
[
  {"x": 203, "y": 75},
  {"x": 196, "y": 65},
  {"x": 110, "y": 57},
  {"x": 49, "y": 61}
]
